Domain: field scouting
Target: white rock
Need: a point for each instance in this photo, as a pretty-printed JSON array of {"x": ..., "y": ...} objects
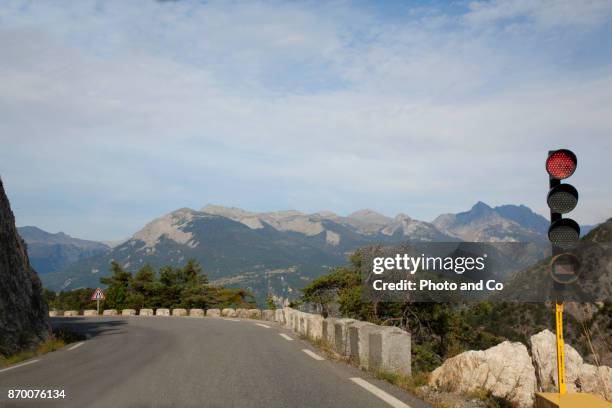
[
  {"x": 213, "y": 313},
  {"x": 579, "y": 377},
  {"x": 229, "y": 312},
  {"x": 162, "y": 312},
  {"x": 179, "y": 312},
  {"x": 544, "y": 355},
  {"x": 196, "y": 312},
  {"x": 505, "y": 370},
  {"x": 596, "y": 380}
]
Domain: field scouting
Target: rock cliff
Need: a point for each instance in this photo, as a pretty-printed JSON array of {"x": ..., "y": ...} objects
[{"x": 23, "y": 311}]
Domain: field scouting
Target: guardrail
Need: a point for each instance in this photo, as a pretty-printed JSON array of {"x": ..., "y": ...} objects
[{"x": 367, "y": 345}]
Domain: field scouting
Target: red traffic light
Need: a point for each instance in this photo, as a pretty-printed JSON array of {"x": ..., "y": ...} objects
[{"x": 561, "y": 164}]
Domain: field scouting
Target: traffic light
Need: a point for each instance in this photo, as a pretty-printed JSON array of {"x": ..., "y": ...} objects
[
  {"x": 562, "y": 198},
  {"x": 563, "y": 233}
]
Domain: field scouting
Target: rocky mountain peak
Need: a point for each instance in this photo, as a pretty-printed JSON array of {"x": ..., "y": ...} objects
[{"x": 171, "y": 226}]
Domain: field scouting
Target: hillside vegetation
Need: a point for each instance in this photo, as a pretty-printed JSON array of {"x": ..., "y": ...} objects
[
  {"x": 443, "y": 330},
  {"x": 170, "y": 287}
]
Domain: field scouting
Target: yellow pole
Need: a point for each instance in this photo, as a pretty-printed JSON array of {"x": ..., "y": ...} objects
[{"x": 560, "y": 347}]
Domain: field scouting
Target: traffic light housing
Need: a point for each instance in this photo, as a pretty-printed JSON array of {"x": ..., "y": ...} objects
[{"x": 562, "y": 198}]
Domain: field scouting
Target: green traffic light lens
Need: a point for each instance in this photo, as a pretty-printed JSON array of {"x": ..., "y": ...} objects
[{"x": 565, "y": 268}]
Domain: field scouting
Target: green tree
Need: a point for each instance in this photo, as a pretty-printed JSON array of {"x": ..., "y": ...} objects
[
  {"x": 118, "y": 287},
  {"x": 270, "y": 302}
]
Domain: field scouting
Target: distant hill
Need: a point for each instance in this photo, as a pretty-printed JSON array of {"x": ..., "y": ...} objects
[
  {"x": 499, "y": 224},
  {"x": 282, "y": 251},
  {"x": 53, "y": 252}
]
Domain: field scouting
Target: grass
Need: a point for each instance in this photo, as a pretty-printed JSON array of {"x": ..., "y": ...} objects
[
  {"x": 405, "y": 382},
  {"x": 49, "y": 345},
  {"x": 56, "y": 341}
]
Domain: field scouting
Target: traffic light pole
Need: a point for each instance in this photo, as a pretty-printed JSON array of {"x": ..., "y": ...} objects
[{"x": 558, "y": 307}]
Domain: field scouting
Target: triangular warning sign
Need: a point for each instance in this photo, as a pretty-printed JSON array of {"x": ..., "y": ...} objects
[{"x": 98, "y": 295}]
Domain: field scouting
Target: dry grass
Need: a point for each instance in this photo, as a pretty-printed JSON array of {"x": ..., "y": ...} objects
[{"x": 52, "y": 344}]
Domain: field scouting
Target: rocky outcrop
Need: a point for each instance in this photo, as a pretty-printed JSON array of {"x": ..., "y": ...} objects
[
  {"x": 504, "y": 370},
  {"x": 23, "y": 311},
  {"x": 579, "y": 377}
]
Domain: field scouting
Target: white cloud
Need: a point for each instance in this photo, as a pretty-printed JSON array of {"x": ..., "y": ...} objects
[{"x": 127, "y": 109}]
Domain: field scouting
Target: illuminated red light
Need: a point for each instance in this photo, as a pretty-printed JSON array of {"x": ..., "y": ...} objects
[{"x": 561, "y": 164}]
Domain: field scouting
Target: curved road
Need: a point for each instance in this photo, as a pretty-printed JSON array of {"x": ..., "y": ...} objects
[{"x": 195, "y": 362}]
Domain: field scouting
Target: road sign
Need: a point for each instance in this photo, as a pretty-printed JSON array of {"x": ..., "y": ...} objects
[{"x": 98, "y": 295}]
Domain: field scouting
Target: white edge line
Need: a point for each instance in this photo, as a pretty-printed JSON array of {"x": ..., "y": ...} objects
[
  {"x": 313, "y": 355},
  {"x": 19, "y": 365},
  {"x": 284, "y": 336},
  {"x": 230, "y": 320},
  {"x": 388, "y": 398},
  {"x": 75, "y": 346},
  {"x": 262, "y": 325}
]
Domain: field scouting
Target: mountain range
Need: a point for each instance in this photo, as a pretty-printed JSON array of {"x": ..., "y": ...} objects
[
  {"x": 280, "y": 252},
  {"x": 53, "y": 252}
]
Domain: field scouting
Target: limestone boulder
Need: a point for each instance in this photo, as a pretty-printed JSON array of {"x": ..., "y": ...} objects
[
  {"x": 110, "y": 312},
  {"x": 267, "y": 315},
  {"x": 254, "y": 314},
  {"x": 179, "y": 312},
  {"x": 71, "y": 313},
  {"x": 579, "y": 377},
  {"x": 196, "y": 312},
  {"x": 146, "y": 312},
  {"x": 596, "y": 380},
  {"x": 162, "y": 312},
  {"x": 505, "y": 370},
  {"x": 279, "y": 316},
  {"x": 213, "y": 313},
  {"x": 90, "y": 312},
  {"x": 128, "y": 312},
  {"x": 229, "y": 312},
  {"x": 544, "y": 355}
]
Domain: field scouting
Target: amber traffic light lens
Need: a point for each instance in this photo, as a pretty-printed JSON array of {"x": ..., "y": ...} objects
[{"x": 562, "y": 198}]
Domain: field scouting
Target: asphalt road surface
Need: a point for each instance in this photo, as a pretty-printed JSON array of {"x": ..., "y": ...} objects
[{"x": 190, "y": 362}]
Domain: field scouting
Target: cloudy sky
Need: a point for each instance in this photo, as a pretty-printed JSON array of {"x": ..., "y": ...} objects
[{"x": 116, "y": 112}]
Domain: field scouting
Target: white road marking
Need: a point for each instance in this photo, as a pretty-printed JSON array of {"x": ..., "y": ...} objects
[
  {"x": 19, "y": 365},
  {"x": 262, "y": 325},
  {"x": 75, "y": 346},
  {"x": 388, "y": 398},
  {"x": 313, "y": 355},
  {"x": 230, "y": 320},
  {"x": 284, "y": 336}
]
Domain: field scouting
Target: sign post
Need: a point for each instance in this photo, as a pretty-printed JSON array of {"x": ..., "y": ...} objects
[{"x": 97, "y": 296}]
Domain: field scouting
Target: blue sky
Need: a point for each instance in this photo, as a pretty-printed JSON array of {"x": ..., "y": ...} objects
[{"x": 113, "y": 113}]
